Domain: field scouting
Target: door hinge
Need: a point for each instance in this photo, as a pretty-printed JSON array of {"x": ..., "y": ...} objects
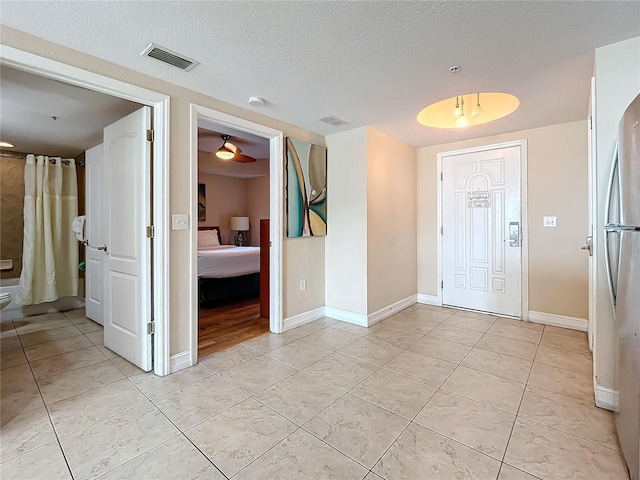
[
  {"x": 441, "y": 176},
  {"x": 151, "y": 231},
  {"x": 442, "y": 284},
  {"x": 151, "y": 328},
  {"x": 441, "y": 230},
  {"x": 150, "y": 136}
]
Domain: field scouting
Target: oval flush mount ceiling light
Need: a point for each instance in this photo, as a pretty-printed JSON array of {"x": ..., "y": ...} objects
[
  {"x": 468, "y": 110},
  {"x": 6, "y": 145}
]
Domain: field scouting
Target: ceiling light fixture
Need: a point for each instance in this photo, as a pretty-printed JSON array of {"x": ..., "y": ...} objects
[
  {"x": 6, "y": 145},
  {"x": 461, "y": 120},
  {"x": 224, "y": 152},
  {"x": 495, "y": 105},
  {"x": 478, "y": 110}
]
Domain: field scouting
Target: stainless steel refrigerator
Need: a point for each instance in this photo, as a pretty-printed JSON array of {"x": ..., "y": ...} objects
[{"x": 622, "y": 243}]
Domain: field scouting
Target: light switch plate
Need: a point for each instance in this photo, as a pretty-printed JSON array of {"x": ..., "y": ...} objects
[
  {"x": 549, "y": 222},
  {"x": 180, "y": 222}
]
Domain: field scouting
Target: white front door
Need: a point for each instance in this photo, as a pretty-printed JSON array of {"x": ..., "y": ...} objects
[
  {"x": 482, "y": 231},
  {"x": 127, "y": 212},
  {"x": 94, "y": 281}
]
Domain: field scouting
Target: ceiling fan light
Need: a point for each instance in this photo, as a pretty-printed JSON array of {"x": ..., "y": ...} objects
[{"x": 224, "y": 154}]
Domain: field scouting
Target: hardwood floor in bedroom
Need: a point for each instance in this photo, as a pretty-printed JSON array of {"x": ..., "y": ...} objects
[{"x": 223, "y": 326}]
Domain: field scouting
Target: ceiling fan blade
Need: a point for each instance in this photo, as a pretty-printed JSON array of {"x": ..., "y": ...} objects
[
  {"x": 233, "y": 148},
  {"x": 243, "y": 158}
]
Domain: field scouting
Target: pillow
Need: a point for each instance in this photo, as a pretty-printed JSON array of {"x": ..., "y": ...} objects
[{"x": 208, "y": 238}]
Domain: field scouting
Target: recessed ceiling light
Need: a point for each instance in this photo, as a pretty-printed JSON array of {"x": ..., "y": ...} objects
[
  {"x": 7, "y": 145},
  {"x": 468, "y": 110}
]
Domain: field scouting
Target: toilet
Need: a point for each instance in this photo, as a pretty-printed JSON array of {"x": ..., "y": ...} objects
[{"x": 5, "y": 299}]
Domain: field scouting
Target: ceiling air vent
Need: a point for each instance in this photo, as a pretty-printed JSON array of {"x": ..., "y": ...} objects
[
  {"x": 165, "y": 55},
  {"x": 335, "y": 121}
]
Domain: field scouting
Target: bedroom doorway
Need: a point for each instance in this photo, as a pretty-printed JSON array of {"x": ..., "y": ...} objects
[
  {"x": 233, "y": 203},
  {"x": 237, "y": 239}
]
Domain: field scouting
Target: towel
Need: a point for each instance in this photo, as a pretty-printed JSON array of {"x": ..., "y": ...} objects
[{"x": 78, "y": 227}]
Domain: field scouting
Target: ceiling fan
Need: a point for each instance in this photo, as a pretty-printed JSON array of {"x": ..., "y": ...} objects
[{"x": 229, "y": 151}]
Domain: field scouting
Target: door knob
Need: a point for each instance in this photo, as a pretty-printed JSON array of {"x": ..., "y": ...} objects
[
  {"x": 104, "y": 247},
  {"x": 584, "y": 247}
]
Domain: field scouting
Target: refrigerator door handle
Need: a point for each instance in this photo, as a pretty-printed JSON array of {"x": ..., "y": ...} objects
[
  {"x": 610, "y": 228},
  {"x": 607, "y": 261},
  {"x": 612, "y": 174}
]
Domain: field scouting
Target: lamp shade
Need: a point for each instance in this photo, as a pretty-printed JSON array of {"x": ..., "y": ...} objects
[{"x": 240, "y": 224}]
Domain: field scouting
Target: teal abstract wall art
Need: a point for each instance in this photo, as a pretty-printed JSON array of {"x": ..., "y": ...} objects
[{"x": 305, "y": 189}]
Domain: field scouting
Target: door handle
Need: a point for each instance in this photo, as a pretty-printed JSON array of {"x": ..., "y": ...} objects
[
  {"x": 588, "y": 246},
  {"x": 104, "y": 247},
  {"x": 514, "y": 234}
]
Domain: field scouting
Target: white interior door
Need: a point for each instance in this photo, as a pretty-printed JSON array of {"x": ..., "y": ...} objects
[
  {"x": 94, "y": 280},
  {"x": 127, "y": 212},
  {"x": 482, "y": 231}
]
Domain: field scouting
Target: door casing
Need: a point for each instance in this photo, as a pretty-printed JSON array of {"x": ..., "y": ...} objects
[
  {"x": 276, "y": 199},
  {"x": 48, "y": 68},
  {"x": 523, "y": 214}
]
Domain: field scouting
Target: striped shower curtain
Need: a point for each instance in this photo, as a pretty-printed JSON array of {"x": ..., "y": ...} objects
[{"x": 50, "y": 249}]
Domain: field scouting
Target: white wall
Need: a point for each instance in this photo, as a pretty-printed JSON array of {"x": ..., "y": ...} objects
[
  {"x": 617, "y": 71},
  {"x": 346, "y": 241},
  {"x": 391, "y": 220}
]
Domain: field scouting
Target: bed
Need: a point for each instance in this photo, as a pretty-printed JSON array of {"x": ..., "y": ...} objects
[{"x": 226, "y": 273}]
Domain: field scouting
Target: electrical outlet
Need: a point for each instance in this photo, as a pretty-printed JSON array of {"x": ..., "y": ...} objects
[
  {"x": 549, "y": 222},
  {"x": 303, "y": 285}
]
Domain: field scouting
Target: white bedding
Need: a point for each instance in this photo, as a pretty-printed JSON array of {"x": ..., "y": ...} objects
[{"x": 228, "y": 261}]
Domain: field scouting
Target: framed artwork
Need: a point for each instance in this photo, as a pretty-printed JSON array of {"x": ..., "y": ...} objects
[
  {"x": 305, "y": 189},
  {"x": 202, "y": 202}
]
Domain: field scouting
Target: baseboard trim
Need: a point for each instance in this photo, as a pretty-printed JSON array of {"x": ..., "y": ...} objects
[
  {"x": 607, "y": 398},
  {"x": 346, "y": 316},
  {"x": 390, "y": 310},
  {"x": 180, "y": 361},
  {"x": 302, "y": 318},
  {"x": 572, "y": 323},
  {"x": 428, "y": 299}
]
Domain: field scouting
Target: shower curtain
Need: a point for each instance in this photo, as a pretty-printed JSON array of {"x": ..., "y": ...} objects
[{"x": 50, "y": 250}]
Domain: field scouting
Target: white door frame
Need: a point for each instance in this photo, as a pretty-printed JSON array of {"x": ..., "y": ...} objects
[
  {"x": 82, "y": 78},
  {"x": 523, "y": 214},
  {"x": 276, "y": 171}
]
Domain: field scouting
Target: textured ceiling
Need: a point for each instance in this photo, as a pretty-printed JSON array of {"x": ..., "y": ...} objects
[
  {"x": 27, "y": 103},
  {"x": 369, "y": 63}
]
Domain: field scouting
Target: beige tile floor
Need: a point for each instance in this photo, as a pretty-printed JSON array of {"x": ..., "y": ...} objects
[{"x": 429, "y": 393}]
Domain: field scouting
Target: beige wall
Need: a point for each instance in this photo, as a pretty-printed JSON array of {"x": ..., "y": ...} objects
[
  {"x": 302, "y": 257},
  {"x": 372, "y": 214},
  {"x": 346, "y": 244},
  {"x": 617, "y": 71},
  {"x": 225, "y": 198},
  {"x": 11, "y": 213},
  {"x": 391, "y": 220},
  {"x": 557, "y": 186},
  {"x": 257, "y": 200}
]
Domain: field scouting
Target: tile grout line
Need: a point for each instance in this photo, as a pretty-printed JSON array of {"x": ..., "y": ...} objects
[{"x": 515, "y": 420}]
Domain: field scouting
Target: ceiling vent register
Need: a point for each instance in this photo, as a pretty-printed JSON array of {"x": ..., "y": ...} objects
[
  {"x": 170, "y": 57},
  {"x": 335, "y": 121}
]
